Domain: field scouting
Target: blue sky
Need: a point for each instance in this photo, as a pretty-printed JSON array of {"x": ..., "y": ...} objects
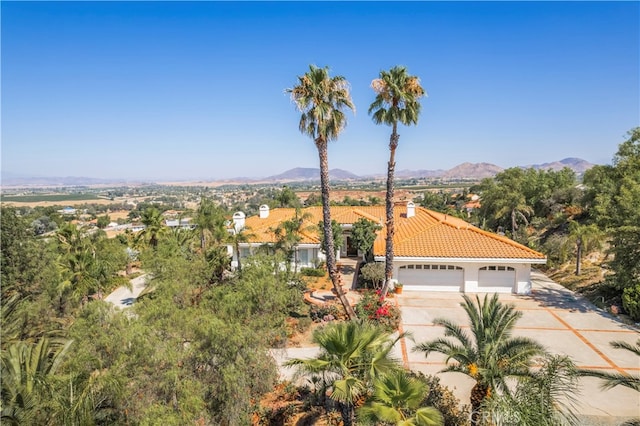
[{"x": 195, "y": 90}]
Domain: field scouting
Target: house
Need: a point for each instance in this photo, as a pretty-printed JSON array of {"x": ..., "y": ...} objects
[{"x": 432, "y": 251}]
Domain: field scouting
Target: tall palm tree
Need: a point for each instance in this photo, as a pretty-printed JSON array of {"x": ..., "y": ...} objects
[
  {"x": 352, "y": 354},
  {"x": 583, "y": 237},
  {"x": 211, "y": 221},
  {"x": 396, "y": 400},
  {"x": 489, "y": 354},
  {"x": 321, "y": 99},
  {"x": 515, "y": 206},
  {"x": 397, "y": 101}
]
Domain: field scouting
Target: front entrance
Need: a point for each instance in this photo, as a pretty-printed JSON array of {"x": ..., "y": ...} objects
[{"x": 352, "y": 251}]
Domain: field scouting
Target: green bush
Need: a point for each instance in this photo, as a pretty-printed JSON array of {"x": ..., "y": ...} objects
[
  {"x": 631, "y": 301},
  {"x": 312, "y": 272}
]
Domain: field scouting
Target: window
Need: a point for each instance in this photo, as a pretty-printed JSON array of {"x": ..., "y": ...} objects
[
  {"x": 245, "y": 252},
  {"x": 497, "y": 268}
]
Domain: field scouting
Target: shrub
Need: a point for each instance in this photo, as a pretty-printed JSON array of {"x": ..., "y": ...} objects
[
  {"x": 324, "y": 313},
  {"x": 312, "y": 272},
  {"x": 443, "y": 399},
  {"x": 372, "y": 273},
  {"x": 631, "y": 301},
  {"x": 374, "y": 308}
]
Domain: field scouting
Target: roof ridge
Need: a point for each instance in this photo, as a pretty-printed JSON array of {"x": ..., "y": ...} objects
[{"x": 366, "y": 215}]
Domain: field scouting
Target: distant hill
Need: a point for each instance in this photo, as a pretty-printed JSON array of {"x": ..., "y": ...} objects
[
  {"x": 578, "y": 165},
  {"x": 301, "y": 173},
  {"x": 472, "y": 170}
]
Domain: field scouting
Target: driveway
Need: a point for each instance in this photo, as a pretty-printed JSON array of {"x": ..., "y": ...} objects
[
  {"x": 554, "y": 316},
  {"x": 122, "y": 297}
]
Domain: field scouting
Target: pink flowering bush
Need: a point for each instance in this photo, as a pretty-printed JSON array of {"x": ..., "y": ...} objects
[{"x": 376, "y": 309}]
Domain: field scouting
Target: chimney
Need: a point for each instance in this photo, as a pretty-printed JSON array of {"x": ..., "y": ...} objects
[
  {"x": 264, "y": 211},
  {"x": 411, "y": 209},
  {"x": 238, "y": 221}
]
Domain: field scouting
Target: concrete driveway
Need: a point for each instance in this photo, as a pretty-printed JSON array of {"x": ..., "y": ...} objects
[
  {"x": 559, "y": 319},
  {"x": 122, "y": 297}
]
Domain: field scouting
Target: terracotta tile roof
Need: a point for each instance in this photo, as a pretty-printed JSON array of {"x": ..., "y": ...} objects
[{"x": 427, "y": 234}]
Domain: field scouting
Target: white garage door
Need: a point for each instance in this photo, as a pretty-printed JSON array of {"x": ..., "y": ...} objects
[
  {"x": 431, "y": 277},
  {"x": 496, "y": 279}
]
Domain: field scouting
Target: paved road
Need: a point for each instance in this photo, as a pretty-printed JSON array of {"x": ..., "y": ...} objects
[{"x": 122, "y": 297}]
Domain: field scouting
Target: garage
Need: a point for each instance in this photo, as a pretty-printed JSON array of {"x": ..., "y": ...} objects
[
  {"x": 496, "y": 279},
  {"x": 431, "y": 277}
]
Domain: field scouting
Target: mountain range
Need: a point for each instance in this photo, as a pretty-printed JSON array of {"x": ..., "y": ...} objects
[{"x": 301, "y": 174}]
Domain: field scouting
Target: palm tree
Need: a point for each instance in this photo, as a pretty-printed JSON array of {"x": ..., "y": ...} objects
[
  {"x": 612, "y": 380},
  {"x": 154, "y": 225},
  {"x": 289, "y": 234},
  {"x": 321, "y": 99},
  {"x": 211, "y": 221},
  {"x": 27, "y": 371},
  {"x": 515, "y": 206},
  {"x": 546, "y": 398},
  {"x": 396, "y": 400},
  {"x": 352, "y": 355},
  {"x": 583, "y": 237},
  {"x": 397, "y": 101},
  {"x": 490, "y": 354}
]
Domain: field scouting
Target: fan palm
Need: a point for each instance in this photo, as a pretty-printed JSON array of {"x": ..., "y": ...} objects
[
  {"x": 488, "y": 354},
  {"x": 396, "y": 400},
  {"x": 321, "y": 99},
  {"x": 352, "y": 355},
  {"x": 397, "y": 101}
]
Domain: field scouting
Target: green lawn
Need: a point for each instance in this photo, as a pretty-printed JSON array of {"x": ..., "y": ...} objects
[{"x": 34, "y": 198}]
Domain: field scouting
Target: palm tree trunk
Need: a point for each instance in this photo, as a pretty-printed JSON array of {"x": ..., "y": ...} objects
[
  {"x": 328, "y": 230},
  {"x": 578, "y": 255},
  {"x": 514, "y": 226},
  {"x": 388, "y": 263},
  {"x": 478, "y": 394},
  {"x": 348, "y": 413}
]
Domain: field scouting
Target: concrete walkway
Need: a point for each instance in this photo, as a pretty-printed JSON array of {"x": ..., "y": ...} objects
[{"x": 123, "y": 298}]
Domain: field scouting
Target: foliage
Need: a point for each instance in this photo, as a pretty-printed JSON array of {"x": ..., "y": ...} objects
[
  {"x": 631, "y": 301},
  {"x": 363, "y": 235},
  {"x": 336, "y": 231},
  {"x": 546, "y": 398},
  {"x": 397, "y": 399},
  {"x": 372, "y": 273},
  {"x": 352, "y": 355},
  {"x": 443, "y": 399},
  {"x": 313, "y": 272},
  {"x": 375, "y": 308},
  {"x": 488, "y": 353},
  {"x": 324, "y": 313}
]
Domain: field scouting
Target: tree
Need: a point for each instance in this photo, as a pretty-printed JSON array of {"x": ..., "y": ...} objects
[
  {"x": 287, "y": 198},
  {"x": 546, "y": 398},
  {"x": 336, "y": 234},
  {"x": 352, "y": 354},
  {"x": 27, "y": 370},
  {"x": 103, "y": 221},
  {"x": 211, "y": 222},
  {"x": 289, "y": 234},
  {"x": 154, "y": 225},
  {"x": 321, "y": 99},
  {"x": 363, "y": 235},
  {"x": 397, "y": 101},
  {"x": 489, "y": 354},
  {"x": 396, "y": 399},
  {"x": 584, "y": 238}
]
